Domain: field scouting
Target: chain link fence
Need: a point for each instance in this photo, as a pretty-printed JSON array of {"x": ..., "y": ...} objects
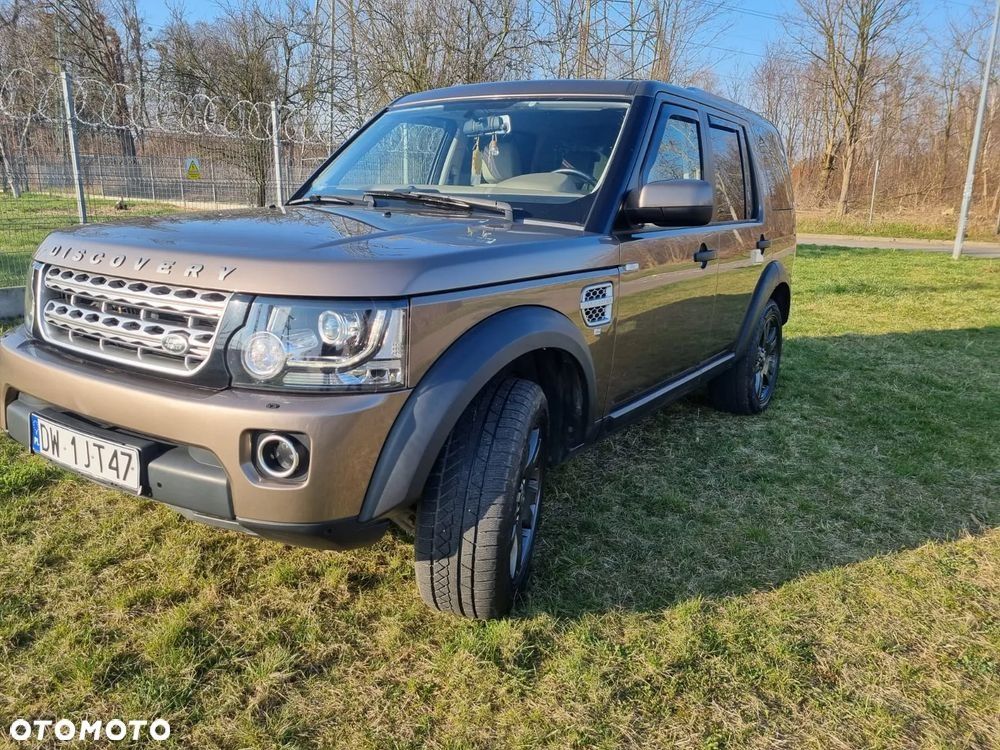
[{"x": 138, "y": 153}]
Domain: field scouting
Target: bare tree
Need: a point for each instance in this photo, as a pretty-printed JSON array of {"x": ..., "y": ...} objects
[
  {"x": 136, "y": 48},
  {"x": 777, "y": 89},
  {"x": 858, "y": 44},
  {"x": 250, "y": 53},
  {"x": 405, "y": 46},
  {"x": 675, "y": 31},
  {"x": 94, "y": 46},
  {"x": 847, "y": 92},
  {"x": 26, "y": 34},
  {"x": 9, "y": 16}
]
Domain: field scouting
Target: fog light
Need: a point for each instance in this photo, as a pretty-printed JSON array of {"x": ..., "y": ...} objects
[{"x": 279, "y": 456}]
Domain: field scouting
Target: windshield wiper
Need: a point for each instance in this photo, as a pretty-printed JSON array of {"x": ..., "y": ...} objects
[
  {"x": 441, "y": 200},
  {"x": 317, "y": 198}
]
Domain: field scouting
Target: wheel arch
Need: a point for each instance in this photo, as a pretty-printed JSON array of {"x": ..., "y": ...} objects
[
  {"x": 534, "y": 342},
  {"x": 566, "y": 389},
  {"x": 782, "y": 294},
  {"x": 774, "y": 283}
]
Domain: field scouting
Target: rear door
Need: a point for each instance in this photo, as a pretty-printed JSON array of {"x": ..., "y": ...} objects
[
  {"x": 666, "y": 298},
  {"x": 739, "y": 225}
]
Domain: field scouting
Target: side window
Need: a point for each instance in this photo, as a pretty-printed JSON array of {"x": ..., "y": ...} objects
[
  {"x": 675, "y": 152},
  {"x": 776, "y": 182},
  {"x": 730, "y": 174}
]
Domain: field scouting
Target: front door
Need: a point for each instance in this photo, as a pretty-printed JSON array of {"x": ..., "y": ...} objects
[{"x": 666, "y": 297}]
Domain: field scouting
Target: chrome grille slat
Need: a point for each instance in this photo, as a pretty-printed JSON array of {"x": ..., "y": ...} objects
[
  {"x": 114, "y": 326},
  {"x": 205, "y": 303},
  {"x": 125, "y": 320}
]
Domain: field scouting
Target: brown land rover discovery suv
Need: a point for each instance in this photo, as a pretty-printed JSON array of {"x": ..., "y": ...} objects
[{"x": 479, "y": 283}]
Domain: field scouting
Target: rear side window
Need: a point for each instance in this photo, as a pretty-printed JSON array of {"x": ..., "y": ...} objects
[
  {"x": 731, "y": 172},
  {"x": 776, "y": 182},
  {"x": 675, "y": 152}
]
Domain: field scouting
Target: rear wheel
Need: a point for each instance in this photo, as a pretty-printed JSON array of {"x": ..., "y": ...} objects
[
  {"x": 747, "y": 388},
  {"x": 478, "y": 519}
]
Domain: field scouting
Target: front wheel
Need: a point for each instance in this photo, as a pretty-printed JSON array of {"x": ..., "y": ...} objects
[
  {"x": 478, "y": 519},
  {"x": 747, "y": 388}
]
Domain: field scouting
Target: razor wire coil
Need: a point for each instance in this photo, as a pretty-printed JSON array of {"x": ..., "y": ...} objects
[{"x": 26, "y": 97}]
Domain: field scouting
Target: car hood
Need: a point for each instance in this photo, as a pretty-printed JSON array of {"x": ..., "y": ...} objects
[{"x": 321, "y": 251}]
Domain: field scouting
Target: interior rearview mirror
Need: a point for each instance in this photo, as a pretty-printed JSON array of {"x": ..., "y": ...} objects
[
  {"x": 492, "y": 125},
  {"x": 671, "y": 203}
]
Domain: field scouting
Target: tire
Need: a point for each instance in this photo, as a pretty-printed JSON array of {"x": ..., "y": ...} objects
[
  {"x": 478, "y": 519},
  {"x": 748, "y": 387}
]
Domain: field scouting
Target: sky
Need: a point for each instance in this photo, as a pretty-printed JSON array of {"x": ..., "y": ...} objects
[{"x": 754, "y": 24}]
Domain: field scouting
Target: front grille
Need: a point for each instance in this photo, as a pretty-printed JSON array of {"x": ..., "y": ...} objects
[{"x": 153, "y": 326}]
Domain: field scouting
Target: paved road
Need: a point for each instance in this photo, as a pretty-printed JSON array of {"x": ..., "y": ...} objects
[{"x": 974, "y": 249}]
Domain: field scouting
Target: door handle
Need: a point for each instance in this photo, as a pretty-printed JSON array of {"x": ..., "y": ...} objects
[
  {"x": 704, "y": 255},
  {"x": 763, "y": 243}
]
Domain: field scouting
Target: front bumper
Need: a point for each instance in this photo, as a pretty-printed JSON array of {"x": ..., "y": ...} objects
[{"x": 202, "y": 441}]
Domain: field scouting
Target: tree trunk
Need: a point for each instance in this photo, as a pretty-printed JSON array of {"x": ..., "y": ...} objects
[
  {"x": 8, "y": 170},
  {"x": 583, "y": 50},
  {"x": 845, "y": 179},
  {"x": 829, "y": 164},
  {"x": 943, "y": 183}
]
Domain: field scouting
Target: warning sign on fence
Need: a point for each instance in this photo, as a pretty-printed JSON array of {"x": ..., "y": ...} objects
[{"x": 192, "y": 168}]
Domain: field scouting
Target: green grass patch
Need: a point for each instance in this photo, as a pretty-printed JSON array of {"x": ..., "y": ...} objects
[
  {"x": 25, "y": 221},
  {"x": 825, "y": 575},
  {"x": 931, "y": 229}
]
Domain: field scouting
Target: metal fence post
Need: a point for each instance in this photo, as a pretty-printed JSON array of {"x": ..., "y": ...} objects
[
  {"x": 211, "y": 176},
  {"x": 276, "y": 139},
  {"x": 977, "y": 134},
  {"x": 81, "y": 200},
  {"x": 180, "y": 169},
  {"x": 871, "y": 206}
]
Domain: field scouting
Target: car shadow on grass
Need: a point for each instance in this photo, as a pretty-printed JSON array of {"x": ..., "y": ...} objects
[{"x": 873, "y": 444}]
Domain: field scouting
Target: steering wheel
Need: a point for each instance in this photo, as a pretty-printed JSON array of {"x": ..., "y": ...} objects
[{"x": 585, "y": 178}]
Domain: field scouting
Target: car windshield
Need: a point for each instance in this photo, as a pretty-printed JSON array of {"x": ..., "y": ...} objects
[{"x": 545, "y": 158}]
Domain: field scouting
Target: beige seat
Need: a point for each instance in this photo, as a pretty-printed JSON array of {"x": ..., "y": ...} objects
[
  {"x": 504, "y": 169},
  {"x": 503, "y": 166}
]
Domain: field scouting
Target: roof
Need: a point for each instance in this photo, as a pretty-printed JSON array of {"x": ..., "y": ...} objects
[{"x": 573, "y": 87}]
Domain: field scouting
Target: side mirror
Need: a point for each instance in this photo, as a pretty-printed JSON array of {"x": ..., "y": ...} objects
[{"x": 671, "y": 203}]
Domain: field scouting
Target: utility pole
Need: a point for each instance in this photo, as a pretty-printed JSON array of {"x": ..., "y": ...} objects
[{"x": 970, "y": 175}]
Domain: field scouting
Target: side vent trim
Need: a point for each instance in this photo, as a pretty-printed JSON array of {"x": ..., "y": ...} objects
[{"x": 597, "y": 304}]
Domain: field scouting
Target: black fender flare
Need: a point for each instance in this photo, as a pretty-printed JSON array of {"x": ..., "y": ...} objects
[
  {"x": 450, "y": 385},
  {"x": 773, "y": 275}
]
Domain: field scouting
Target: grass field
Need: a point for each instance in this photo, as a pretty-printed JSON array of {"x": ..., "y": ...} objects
[
  {"x": 25, "y": 221},
  {"x": 824, "y": 576},
  {"x": 927, "y": 227}
]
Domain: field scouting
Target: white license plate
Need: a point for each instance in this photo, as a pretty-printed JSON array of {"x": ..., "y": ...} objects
[{"x": 92, "y": 456}]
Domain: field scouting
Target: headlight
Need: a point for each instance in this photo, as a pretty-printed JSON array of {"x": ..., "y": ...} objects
[
  {"x": 29, "y": 298},
  {"x": 320, "y": 345}
]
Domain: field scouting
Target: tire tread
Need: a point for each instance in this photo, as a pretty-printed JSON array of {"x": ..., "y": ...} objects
[
  {"x": 732, "y": 391},
  {"x": 461, "y": 518}
]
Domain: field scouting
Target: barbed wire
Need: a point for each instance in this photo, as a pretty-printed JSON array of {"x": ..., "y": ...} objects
[{"x": 26, "y": 96}]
